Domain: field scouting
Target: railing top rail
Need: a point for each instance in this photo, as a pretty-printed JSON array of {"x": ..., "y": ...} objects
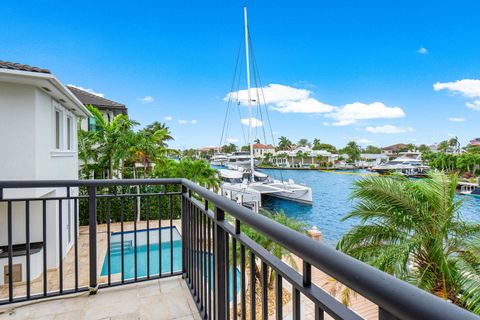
[
  {"x": 17, "y": 184},
  {"x": 399, "y": 298}
]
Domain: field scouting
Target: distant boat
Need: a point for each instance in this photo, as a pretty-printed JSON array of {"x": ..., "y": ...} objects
[
  {"x": 409, "y": 164},
  {"x": 219, "y": 159},
  {"x": 468, "y": 188}
]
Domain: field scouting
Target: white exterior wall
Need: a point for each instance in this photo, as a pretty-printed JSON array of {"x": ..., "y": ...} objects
[{"x": 28, "y": 153}]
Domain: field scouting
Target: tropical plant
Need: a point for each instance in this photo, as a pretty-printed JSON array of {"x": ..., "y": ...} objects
[
  {"x": 229, "y": 148},
  {"x": 284, "y": 143},
  {"x": 373, "y": 149},
  {"x": 353, "y": 151},
  {"x": 412, "y": 229},
  {"x": 198, "y": 171},
  {"x": 303, "y": 143},
  {"x": 110, "y": 140}
]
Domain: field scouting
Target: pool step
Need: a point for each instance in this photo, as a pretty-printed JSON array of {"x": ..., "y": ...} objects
[{"x": 116, "y": 247}]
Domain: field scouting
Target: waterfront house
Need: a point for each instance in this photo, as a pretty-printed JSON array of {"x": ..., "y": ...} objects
[
  {"x": 38, "y": 133},
  {"x": 304, "y": 156},
  {"x": 393, "y": 149},
  {"x": 259, "y": 150},
  {"x": 108, "y": 108}
]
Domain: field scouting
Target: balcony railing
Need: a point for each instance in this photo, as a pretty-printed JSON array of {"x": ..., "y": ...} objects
[{"x": 216, "y": 258}]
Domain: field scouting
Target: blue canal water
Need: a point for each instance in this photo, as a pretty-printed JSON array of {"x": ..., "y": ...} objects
[{"x": 331, "y": 202}]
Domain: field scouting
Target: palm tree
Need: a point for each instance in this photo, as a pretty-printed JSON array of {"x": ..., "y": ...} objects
[
  {"x": 284, "y": 143},
  {"x": 111, "y": 140},
  {"x": 412, "y": 229},
  {"x": 303, "y": 143},
  {"x": 156, "y": 126}
]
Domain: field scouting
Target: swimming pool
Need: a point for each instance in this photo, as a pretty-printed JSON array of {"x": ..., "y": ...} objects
[
  {"x": 168, "y": 260},
  {"x": 167, "y": 249}
]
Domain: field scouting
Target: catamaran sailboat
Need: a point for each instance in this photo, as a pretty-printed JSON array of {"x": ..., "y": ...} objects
[{"x": 245, "y": 185}]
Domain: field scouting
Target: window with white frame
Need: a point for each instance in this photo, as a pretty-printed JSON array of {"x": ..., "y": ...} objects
[
  {"x": 63, "y": 129},
  {"x": 58, "y": 129},
  {"x": 69, "y": 133}
]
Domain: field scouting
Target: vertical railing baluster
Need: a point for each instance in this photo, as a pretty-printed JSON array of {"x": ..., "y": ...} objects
[
  {"x": 204, "y": 257},
  {"x": 264, "y": 271},
  {"x": 60, "y": 245},
  {"x": 278, "y": 297},
  {"x": 296, "y": 303},
  {"x": 319, "y": 315},
  {"x": 44, "y": 239},
  {"x": 92, "y": 232},
  {"x": 194, "y": 248},
  {"x": 147, "y": 213},
  {"x": 170, "y": 202},
  {"x": 253, "y": 306},
  {"x": 234, "y": 277},
  {"x": 220, "y": 266},
  {"x": 122, "y": 236},
  {"x": 227, "y": 271},
  {"x": 75, "y": 237},
  {"x": 10, "y": 251},
  {"x": 135, "y": 242},
  {"x": 159, "y": 200},
  {"x": 210, "y": 280},
  {"x": 243, "y": 287},
  {"x": 307, "y": 274},
  {"x": 184, "y": 229},
  {"x": 109, "y": 254},
  {"x": 385, "y": 315},
  {"x": 27, "y": 241}
]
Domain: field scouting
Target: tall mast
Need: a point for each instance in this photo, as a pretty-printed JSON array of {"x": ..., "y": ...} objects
[{"x": 250, "y": 124}]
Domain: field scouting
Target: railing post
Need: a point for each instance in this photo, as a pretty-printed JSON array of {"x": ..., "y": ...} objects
[
  {"x": 92, "y": 233},
  {"x": 220, "y": 266},
  {"x": 184, "y": 222}
]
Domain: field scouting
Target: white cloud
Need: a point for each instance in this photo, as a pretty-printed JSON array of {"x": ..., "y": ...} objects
[
  {"x": 286, "y": 99},
  {"x": 274, "y": 93},
  {"x": 147, "y": 99},
  {"x": 467, "y": 87},
  {"x": 87, "y": 90},
  {"x": 351, "y": 113},
  {"x": 422, "y": 50},
  {"x": 309, "y": 105},
  {"x": 255, "y": 122},
  {"x": 388, "y": 129},
  {"x": 360, "y": 140},
  {"x": 182, "y": 121},
  {"x": 456, "y": 119},
  {"x": 232, "y": 140},
  {"x": 475, "y": 105},
  {"x": 168, "y": 118}
]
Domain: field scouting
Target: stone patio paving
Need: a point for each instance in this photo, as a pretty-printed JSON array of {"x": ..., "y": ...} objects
[{"x": 157, "y": 299}]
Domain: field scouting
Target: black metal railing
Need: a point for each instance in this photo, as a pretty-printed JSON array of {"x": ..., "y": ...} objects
[{"x": 229, "y": 274}]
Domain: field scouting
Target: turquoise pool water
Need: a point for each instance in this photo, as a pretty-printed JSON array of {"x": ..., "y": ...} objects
[
  {"x": 142, "y": 249},
  {"x": 129, "y": 254},
  {"x": 330, "y": 201}
]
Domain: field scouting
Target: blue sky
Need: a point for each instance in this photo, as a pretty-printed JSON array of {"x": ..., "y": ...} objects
[{"x": 341, "y": 56}]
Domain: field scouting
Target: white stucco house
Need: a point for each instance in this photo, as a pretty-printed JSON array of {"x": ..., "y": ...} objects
[{"x": 38, "y": 141}]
